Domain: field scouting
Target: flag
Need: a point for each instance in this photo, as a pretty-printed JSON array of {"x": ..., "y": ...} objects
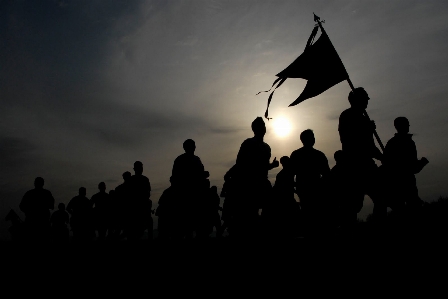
[{"x": 319, "y": 64}]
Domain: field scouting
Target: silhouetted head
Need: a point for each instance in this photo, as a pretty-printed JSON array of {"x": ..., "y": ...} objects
[
  {"x": 259, "y": 127},
  {"x": 61, "y": 206},
  {"x": 285, "y": 161},
  {"x": 126, "y": 176},
  {"x": 102, "y": 186},
  {"x": 307, "y": 138},
  {"x": 402, "y": 124},
  {"x": 189, "y": 146},
  {"x": 38, "y": 183},
  {"x": 358, "y": 98},
  {"x": 82, "y": 191},
  {"x": 339, "y": 156},
  {"x": 138, "y": 167}
]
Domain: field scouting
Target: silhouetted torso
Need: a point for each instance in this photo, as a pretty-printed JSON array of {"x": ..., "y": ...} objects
[
  {"x": 60, "y": 219},
  {"x": 281, "y": 212},
  {"x": 122, "y": 195},
  {"x": 101, "y": 201},
  {"x": 140, "y": 191},
  {"x": 79, "y": 207},
  {"x": 356, "y": 135},
  {"x": 187, "y": 169},
  {"x": 252, "y": 161},
  {"x": 139, "y": 206},
  {"x": 309, "y": 165},
  {"x": 284, "y": 184},
  {"x": 169, "y": 213},
  {"x": 400, "y": 155},
  {"x": 400, "y": 164},
  {"x": 36, "y": 205}
]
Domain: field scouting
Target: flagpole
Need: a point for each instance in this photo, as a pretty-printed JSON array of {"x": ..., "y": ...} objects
[{"x": 377, "y": 137}]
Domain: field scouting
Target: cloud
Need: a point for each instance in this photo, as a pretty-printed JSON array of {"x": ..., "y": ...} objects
[
  {"x": 225, "y": 130},
  {"x": 15, "y": 151}
]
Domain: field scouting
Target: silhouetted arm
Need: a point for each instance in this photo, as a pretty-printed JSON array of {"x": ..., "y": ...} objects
[
  {"x": 377, "y": 154},
  {"x": 419, "y": 163},
  {"x": 230, "y": 173},
  {"x": 274, "y": 164},
  {"x": 70, "y": 207}
]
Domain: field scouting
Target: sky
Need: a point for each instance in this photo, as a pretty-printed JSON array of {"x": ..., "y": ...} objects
[{"x": 89, "y": 87}]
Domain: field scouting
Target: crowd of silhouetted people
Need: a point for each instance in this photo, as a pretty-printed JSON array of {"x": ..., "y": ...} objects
[{"x": 329, "y": 199}]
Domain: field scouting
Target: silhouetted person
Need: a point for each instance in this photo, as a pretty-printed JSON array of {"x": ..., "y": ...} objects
[
  {"x": 356, "y": 135},
  {"x": 188, "y": 168},
  {"x": 343, "y": 204},
  {"x": 59, "y": 221},
  {"x": 101, "y": 210},
  {"x": 309, "y": 166},
  {"x": 401, "y": 164},
  {"x": 230, "y": 193},
  {"x": 169, "y": 214},
  {"x": 17, "y": 228},
  {"x": 80, "y": 210},
  {"x": 281, "y": 212},
  {"x": 188, "y": 174},
  {"x": 215, "y": 218},
  {"x": 36, "y": 204},
  {"x": 251, "y": 182},
  {"x": 201, "y": 209},
  {"x": 206, "y": 213},
  {"x": 139, "y": 214},
  {"x": 121, "y": 206}
]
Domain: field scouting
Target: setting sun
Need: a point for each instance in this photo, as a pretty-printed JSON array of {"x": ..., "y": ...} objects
[{"x": 282, "y": 127}]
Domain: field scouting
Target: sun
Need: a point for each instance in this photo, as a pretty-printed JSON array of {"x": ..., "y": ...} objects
[{"x": 282, "y": 126}]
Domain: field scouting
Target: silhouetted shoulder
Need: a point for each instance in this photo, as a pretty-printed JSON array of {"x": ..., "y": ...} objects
[
  {"x": 346, "y": 118},
  {"x": 37, "y": 199},
  {"x": 251, "y": 142},
  {"x": 308, "y": 160},
  {"x": 252, "y": 146},
  {"x": 401, "y": 153},
  {"x": 187, "y": 165},
  {"x": 402, "y": 142},
  {"x": 308, "y": 152},
  {"x": 141, "y": 181}
]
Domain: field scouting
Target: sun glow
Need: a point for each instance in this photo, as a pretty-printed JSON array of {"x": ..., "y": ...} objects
[{"x": 282, "y": 126}]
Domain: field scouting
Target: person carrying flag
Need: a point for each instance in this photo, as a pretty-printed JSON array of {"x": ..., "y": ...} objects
[{"x": 356, "y": 133}]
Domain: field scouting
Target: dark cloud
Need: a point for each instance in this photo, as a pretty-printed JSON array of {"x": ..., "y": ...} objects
[
  {"x": 333, "y": 116},
  {"x": 15, "y": 151},
  {"x": 225, "y": 130}
]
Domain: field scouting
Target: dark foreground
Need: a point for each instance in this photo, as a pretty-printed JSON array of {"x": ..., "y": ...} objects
[
  {"x": 405, "y": 256},
  {"x": 225, "y": 263}
]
